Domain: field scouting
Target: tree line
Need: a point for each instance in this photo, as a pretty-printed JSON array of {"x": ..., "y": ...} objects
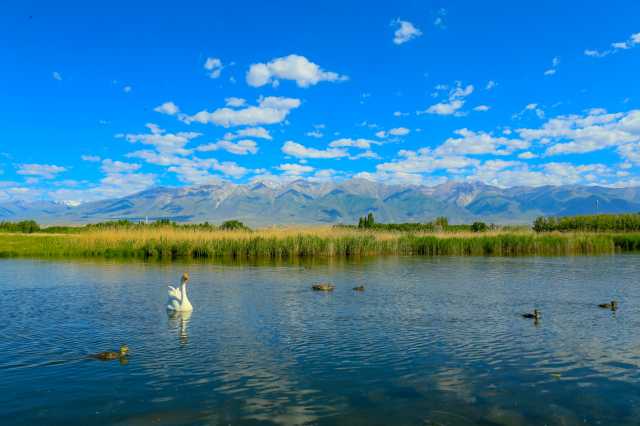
[
  {"x": 31, "y": 226},
  {"x": 589, "y": 223},
  {"x": 441, "y": 223}
]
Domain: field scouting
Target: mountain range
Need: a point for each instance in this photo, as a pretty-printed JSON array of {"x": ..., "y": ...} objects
[{"x": 307, "y": 202}]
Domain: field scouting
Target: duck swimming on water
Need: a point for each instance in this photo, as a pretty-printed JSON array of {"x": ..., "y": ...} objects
[
  {"x": 323, "y": 287},
  {"x": 535, "y": 315},
  {"x": 359, "y": 288},
  {"x": 613, "y": 305},
  {"x": 111, "y": 355}
]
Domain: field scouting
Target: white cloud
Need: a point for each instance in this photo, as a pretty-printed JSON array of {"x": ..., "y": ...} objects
[
  {"x": 490, "y": 85},
  {"x": 214, "y": 67},
  {"x": 235, "y": 102},
  {"x": 528, "y": 155},
  {"x": 554, "y": 66},
  {"x": 297, "y": 150},
  {"x": 400, "y": 114},
  {"x": 90, "y": 158},
  {"x": 439, "y": 21},
  {"x": 44, "y": 171},
  {"x": 270, "y": 110},
  {"x": 293, "y": 67},
  {"x": 632, "y": 41},
  {"x": 251, "y": 132},
  {"x": 127, "y": 89},
  {"x": 111, "y": 167},
  {"x": 295, "y": 169},
  {"x": 482, "y": 108},
  {"x": 352, "y": 143},
  {"x": 529, "y": 107},
  {"x": 242, "y": 147},
  {"x": 515, "y": 173},
  {"x": 165, "y": 143},
  {"x": 397, "y": 131},
  {"x": 474, "y": 143},
  {"x": 405, "y": 31},
  {"x": 56, "y": 76},
  {"x": 315, "y": 134},
  {"x": 168, "y": 108},
  {"x": 594, "y": 131},
  {"x": 456, "y": 100}
]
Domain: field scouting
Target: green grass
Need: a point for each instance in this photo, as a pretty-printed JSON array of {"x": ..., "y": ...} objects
[{"x": 289, "y": 244}]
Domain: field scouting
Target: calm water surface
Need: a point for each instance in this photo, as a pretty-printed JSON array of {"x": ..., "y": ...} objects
[{"x": 430, "y": 342}]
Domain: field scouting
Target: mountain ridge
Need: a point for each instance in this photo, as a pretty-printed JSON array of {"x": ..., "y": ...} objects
[{"x": 308, "y": 202}]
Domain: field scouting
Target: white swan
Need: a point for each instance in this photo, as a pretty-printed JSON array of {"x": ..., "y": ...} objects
[{"x": 178, "y": 300}]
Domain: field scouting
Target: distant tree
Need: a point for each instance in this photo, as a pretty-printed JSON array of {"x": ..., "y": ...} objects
[
  {"x": 478, "y": 226},
  {"x": 361, "y": 222},
  {"x": 231, "y": 225},
  {"x": 370, "y": 220},
  {"x": 441, "y": 222}
]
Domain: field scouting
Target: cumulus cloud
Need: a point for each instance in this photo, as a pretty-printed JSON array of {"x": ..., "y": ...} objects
[
  {"x": 90, "y": 158},
  {"x": 251, "y": 132},
  {"x": 165, "y": 143},
  {"x": 270, "y": 110},
  {"x": 515, "y": 173},
  {"x": 539, "y": 112},
  {"x": 490, "y": 85},
  {"x": 242, "y": 147},
  {"x": 214, "y": 67},
  {"x": 474, "y": 143},
  {"x": 44, "y": 171},
  {"x": 397, "y": 131},
  {"x": 111, "y": 167},
  {"x": 293, "y": 67},
  {"x": 168, "y": 108},
  {"x": 352, "y": 143},
  {"x": 235, "y": 102},
  {"x": 297, "y": 150},
  {"x": 295, "y": 169},
  {"x": 405, "y": 31},
  {"x": 482, "y": 108},
  {"x": 594, "y": 131},
  {"x": 456, "y": 100},
  {"x": 632, "y": 41}
]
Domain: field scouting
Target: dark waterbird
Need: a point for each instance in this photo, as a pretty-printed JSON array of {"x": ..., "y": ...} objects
[
  {"x": 323, "y": 287},
  {"x": 359, "y": 288},
  {"x": 613, "y": 305},
  {"x": 111, "y": 355},
  {"x": 535, "y": 315}
]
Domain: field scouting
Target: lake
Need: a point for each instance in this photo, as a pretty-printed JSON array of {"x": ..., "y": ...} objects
[{"x": 431, "y": 341}]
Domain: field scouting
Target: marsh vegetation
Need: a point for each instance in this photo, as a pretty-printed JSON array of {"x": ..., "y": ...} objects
[{"x": 168, "y": 240}]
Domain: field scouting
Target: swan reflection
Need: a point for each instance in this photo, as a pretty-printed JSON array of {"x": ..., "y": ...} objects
[{"x": 180, "y": 321}]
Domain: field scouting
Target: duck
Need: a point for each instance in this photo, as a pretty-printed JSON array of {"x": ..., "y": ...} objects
[
  {"x": 178, "y": 300},
  {"x": 613, "y": 305},
  {"x": 111, "y": 355},
  {"x": 323, "y": 287},
  {"x": 359, "y": 288},
  {"x": 535, "y": 315}
]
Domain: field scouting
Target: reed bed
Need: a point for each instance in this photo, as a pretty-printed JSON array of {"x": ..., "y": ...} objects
[{"x": 307, "y": 242}]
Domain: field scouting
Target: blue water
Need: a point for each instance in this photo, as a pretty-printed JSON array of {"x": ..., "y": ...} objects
[{"x": 429, "y": 342}]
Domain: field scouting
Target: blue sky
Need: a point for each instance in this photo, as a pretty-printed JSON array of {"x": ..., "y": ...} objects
[{"x": 102, "y": 101}]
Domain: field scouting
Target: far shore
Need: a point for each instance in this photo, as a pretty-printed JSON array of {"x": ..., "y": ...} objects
[{"x": 169, "y": 243}]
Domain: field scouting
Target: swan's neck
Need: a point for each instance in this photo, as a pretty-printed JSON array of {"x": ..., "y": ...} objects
[{"x": 183, "y": 291}]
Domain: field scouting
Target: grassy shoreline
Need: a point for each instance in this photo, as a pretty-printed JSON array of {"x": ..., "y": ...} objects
[{"x": 319, "y": 242}]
